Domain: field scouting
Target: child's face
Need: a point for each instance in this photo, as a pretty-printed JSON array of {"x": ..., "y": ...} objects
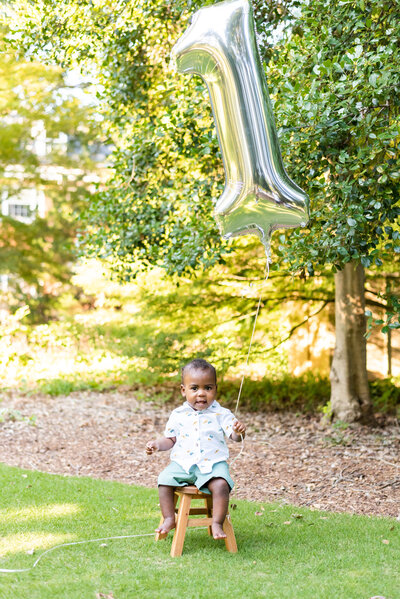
[{"x": 199, "y": 388}]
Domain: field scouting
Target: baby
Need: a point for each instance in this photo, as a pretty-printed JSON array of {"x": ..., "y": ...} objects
[{"x": 196, "y": 434}]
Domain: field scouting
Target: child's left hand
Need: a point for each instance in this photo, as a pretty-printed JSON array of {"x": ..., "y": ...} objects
[{"x": 239, "y": 427}]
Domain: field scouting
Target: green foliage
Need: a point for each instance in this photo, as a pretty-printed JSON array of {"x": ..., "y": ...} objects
[
  {"x": 334, "y": 79},
  {"x": 65, "y": 386},
  {"x": 333, "y": 75},
  {"x": 304, "y": 393},
  {"x": 335, "y": 82},
  {"x": 392, "y": 317},
  {"x": 385, "y": 396},
  {"x": 168, "y": 169},
  {"x": 7, "y": 415},
  {"x": 36, "y": 105},
  {"x": 37, "y": 257},
  {"x": 158, "y": 208},
  {"x": 142, "y": 333}
]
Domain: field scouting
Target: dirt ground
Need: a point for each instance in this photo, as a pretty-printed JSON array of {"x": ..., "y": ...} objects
[{"x": 289, "y": 458}]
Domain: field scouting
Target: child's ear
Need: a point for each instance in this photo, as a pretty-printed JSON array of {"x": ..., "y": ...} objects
[{"x": 183, "y": 390}]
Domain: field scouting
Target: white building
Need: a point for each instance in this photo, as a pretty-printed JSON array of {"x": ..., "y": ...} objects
[{"x": 29, "y": 200}]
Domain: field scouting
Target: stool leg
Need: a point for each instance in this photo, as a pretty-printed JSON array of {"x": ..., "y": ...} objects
[
  {"x": 208, "y": 502},
  {"x": 230, "y": 541},
  {"x": 181, "y": 524},
  {"x": 160, "y": 535}
]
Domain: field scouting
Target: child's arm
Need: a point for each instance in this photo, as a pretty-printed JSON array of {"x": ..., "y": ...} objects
[
  {"x": 163, "y": 444},
  {"x": 238, "y": 431}
]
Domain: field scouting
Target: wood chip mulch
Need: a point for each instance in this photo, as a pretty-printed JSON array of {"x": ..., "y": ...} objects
[{"x": 294, "y": 459}]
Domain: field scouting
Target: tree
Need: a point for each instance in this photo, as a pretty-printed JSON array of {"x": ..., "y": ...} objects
[
  {"x": 168, "y": 169},
  {"x": 333, "y": 75},
  {"x": 336, "y": 88},
  {"x": 40, "y": 122}
]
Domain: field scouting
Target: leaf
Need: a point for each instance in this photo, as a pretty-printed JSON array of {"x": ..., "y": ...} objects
[
  {"x": 358, "y": 50},
  {"x": 372, "y": 79}
]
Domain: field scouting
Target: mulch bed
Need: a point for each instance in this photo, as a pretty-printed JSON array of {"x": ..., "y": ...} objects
[{"x": 287, "y": 457}]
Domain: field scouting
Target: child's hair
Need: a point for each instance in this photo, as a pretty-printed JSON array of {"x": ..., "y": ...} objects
[{"x": 199, "y": 364}]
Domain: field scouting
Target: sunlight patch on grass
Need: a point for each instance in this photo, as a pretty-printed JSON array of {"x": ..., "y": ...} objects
[
  {"x": 27, "y": 541},
  {"x": 109, "y": 362},
  {"x": 99, "y": 368},
  {"x": 39, "y": 512}
]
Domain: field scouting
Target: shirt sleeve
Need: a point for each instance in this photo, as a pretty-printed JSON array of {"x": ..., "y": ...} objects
[
  {"x": 170, "y": 427},
  {"x": 226, "y": 420}
]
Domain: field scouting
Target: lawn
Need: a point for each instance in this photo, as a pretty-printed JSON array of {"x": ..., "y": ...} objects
[{"x": 284, "y": 552}]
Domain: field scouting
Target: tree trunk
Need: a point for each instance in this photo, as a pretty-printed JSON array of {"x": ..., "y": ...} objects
[{"x": 350, "y": 397}]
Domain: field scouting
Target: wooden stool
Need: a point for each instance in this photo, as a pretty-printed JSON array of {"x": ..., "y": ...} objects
[{"x": 185, "y": 495}]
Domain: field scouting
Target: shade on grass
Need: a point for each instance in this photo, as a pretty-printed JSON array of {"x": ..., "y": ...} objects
[{"x": 285, "y": 553}]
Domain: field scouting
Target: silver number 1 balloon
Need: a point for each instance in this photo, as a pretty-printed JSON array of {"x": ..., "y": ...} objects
[{"x": 220, "y": 46}]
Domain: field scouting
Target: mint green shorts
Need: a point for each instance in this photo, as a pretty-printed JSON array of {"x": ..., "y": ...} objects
[{"x": 175, "y": 476}]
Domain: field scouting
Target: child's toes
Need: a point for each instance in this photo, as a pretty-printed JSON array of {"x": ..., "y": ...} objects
[
  {"x": 218, "y": 531},
  {"x": 166, "y": 526}
]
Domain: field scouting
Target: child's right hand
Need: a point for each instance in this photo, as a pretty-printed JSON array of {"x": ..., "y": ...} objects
[{"x": 151, "y": 447}]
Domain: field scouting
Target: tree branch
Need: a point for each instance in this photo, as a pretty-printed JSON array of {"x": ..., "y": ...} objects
[{"x": 297, "y": 326}]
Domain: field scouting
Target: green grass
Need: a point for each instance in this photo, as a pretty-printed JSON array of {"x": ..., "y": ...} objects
[{"x": 318, "y": 555}]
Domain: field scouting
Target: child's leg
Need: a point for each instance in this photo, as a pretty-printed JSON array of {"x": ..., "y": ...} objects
[
  {"x": 220, "y": 494},
  {"x": 166, "y": 495}
]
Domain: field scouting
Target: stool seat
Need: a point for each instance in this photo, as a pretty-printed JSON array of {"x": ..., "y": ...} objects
[
  {"x": 184, "y": 496},
  {"x": 191, "y": 490}
]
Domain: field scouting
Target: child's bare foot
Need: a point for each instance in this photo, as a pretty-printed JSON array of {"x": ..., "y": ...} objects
[
  {"x": 166, "y": 526},
  {"x": 217, "y": 531}
]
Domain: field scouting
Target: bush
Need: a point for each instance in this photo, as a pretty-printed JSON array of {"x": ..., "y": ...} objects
[
  {"x": 385, "y": 395},
  {"x": 306, "y": 393}
]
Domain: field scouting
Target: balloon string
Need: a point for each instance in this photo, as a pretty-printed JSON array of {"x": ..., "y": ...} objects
[
  {"x": 146, "y": 534},
  {"x": 266, "y": 275},
  {"x": 6, "y": 571}
]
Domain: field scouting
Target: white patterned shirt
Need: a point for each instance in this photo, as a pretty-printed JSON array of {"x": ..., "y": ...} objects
[{"x": 200, "y": 435}]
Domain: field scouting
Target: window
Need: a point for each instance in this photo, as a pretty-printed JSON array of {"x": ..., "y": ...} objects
[{"x": 19, "y": 210}]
